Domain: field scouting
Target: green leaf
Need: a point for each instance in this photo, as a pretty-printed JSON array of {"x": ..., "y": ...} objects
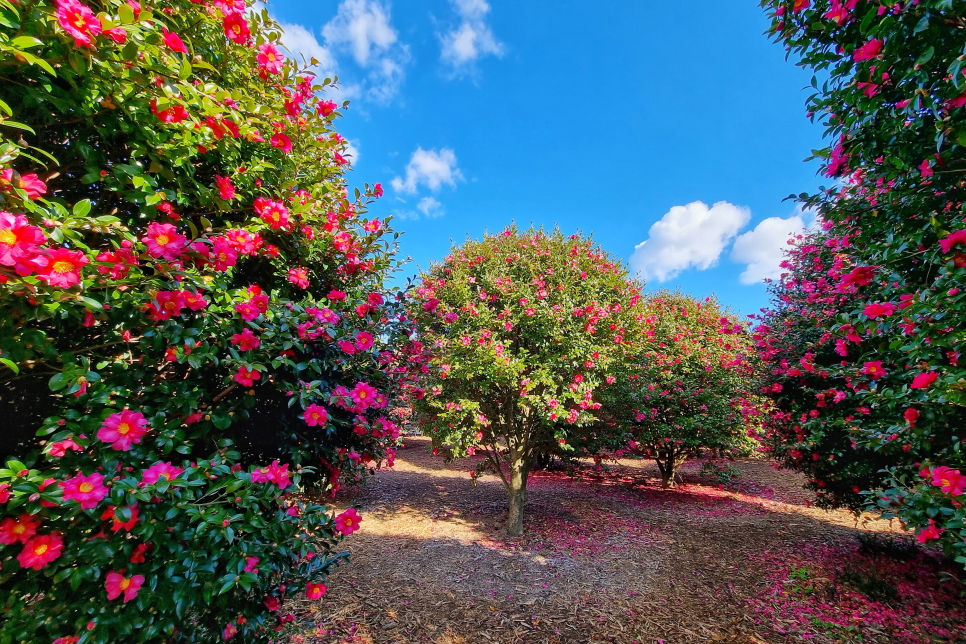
[
  {"x": 81, "y": 208},
  {"x": 10, "y": 364},
  {"x": 58, "y": 381},
  {"x": 19, "y": 126}
]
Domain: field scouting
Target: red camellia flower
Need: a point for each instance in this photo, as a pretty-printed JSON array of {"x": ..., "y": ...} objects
[
  {"x": 274, "y": 473},
  {"x": 236, "y": 28},
  {"x": 326, "y": 108},
  {"x": 160, "y": 472},
  {"x": 18, "y": 530},
  {"x": 924, "y": 380},
  {"x": 29, "y": 183},
  {"x": 348, "y": 522},
  {"x": 316, "y": 415},
  {"x": 124, "y": 429},
  {"x": 18, "y": 239},
  {"x": 117, "y": 524},
  {"x": 40, "y": 551},
  {"x": 315, "y": 591},
  {"x": 949, "y": 480},
  {"x": 873, "y": 370},
  {"x": 164, "y": 241},
  {"x": 269, "y": 59},
  {"x": 63, "y": 267},
  {"x": 868, "y": 51},
  {"x": 859, "y": 276},
  {"x": 246, "y": 376},
  {"x": 78, "y": 21},
  {"x": 911, "y": 415},
  {"x": 246, "y": 340},
  {"x": 879, "y": 309},
  {"x": 273, "y": 213},
  {"x": 173, "y": 114},
  {"x": 299, "y": 276},
  {"x": 173, "y": 41},
  {"x": 117, "y": 584},
  {"x": 73, "y": 639},
  {"x": 929, "y": 533},
  {"x": 952, "y": 240},
  {"x": 225, "y": 188},
  {"x": 282, "y": 142},
  {"x": 87, "y": 490},
  {"x": 117, "y": 34},
  {"x": 4, "y": 492}
]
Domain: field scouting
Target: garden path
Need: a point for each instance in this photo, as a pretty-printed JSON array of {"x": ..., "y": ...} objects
[{"x": 611, "y": 557}]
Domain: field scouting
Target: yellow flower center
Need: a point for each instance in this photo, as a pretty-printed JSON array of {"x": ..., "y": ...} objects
[
  {"x": 85, "y": 487},
  {"x": 162, "y": 240},
  {"x": 78, "y": 20},
  {"x": 19, "y": 529},
  {"x": 63, "y": 267},
  {"x": 41, "y": 549},
  {"x": 8, "y": 237},
  {"x": 123, "y": 429},
  {"x": 124, "y": 584}
]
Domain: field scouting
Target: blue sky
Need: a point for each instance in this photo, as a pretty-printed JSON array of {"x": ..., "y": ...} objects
[{"x": 613, "y": 119}]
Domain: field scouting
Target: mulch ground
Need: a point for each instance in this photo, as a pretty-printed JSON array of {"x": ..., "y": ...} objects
[{"x": 611, "y": 557}]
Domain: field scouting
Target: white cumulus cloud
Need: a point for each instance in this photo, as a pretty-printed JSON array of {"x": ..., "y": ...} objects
[
  {"x": 762, "y": 248},
  {"x": 364, "y": 29},
  {"x": 430, "y": 207},
  {"x": 471, "y": 39},
  {"x": 430, "y": 168},
  {"x": 688, "y": 236},
  {"x": 301, "y": 42}
]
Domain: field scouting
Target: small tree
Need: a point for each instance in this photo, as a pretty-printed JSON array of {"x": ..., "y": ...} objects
[
  {"x": 524, "y": 330},
  {"x": 188, "y": 296},
  {"x": 688, "y": 387}
]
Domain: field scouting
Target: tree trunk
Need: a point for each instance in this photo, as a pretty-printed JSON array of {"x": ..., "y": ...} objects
[
  {"x": 518, "y": 497},
  {"x": 667, "y": 469}
]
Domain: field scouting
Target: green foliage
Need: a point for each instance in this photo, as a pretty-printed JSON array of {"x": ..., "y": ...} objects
[
  {"x": 187, "y": 292},
  {"x": 524, "y": 329}
]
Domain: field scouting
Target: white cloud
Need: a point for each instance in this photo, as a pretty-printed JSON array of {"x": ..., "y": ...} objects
[
  {"x": 302, "y": 43},
  {"x": 429, "y": 168},
  {"x": 688, "y": 236},
  {"x": 471, "y": 39},
  {"x": 762, "y": 249},
  {"x": 364, "y": 29},
  {"x": 352, "y": 151},
  {"x": 430, "y": 207}
]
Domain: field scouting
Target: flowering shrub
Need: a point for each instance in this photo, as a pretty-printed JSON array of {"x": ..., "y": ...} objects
[
  {"x": 524, "y": 329},
  {"x": 192, "y": 320},
  {"x": 878, "y": 311},
  {"x": 688, "y": 386}
]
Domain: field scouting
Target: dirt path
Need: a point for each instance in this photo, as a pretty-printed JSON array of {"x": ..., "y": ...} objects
[{"x": 608, "y": 557}]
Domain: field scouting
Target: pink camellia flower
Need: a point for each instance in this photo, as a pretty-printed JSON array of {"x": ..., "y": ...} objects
[
  {"x": 924, "y": 380},
  {"x": 236, "y": 28},
  {"x": 859, "y": 276},
  {"x": 87, "y": 490},
  {"x": 336, "y": 295},
  {"x": 225, "y": 188},
  {"x": 346, "y": 346},
  {"x": 246, "y": 377},
  {"x": 40, "y": 551},
  {"x": 173, "y": 114},
  {"x": 363, "y": 394},
  {"x": 62, "y": 267},
  {"x": 952, "y": 240},
  {"x": 879, "y": 309},
  {"x": 375, "y": 299},
  {"x": 801, "y": 5},
  {"x": 315, "y": 591},
  {"x": 299, "y": 276},
  {"x": 929, "y": 533},
  {"x": 29, "y": 183},
  {"x": 316, "y": 415},
  {"x": 326, "y": 108},
  {"x": 430, "y": 305},
  {"x": 246, "y": 340},
  {"x": 19, "y": 530},
  {"x": 173, "y": 41},
  {"x": 911, "y": 415},
  {"x": 269, "y": 58},
  {"x": 124, "y": 429},
  {"x": 223, "y": 255},
  {"x": 230, "y": 631},
  {"x": 364, "y": 341},
  {"x": 73, "y": 639},
  {"x": 79, "y": 21},
  {"x": 348, "y": 521},
  {"x": 949, "y": 480},
  {"x": 273, "y": 213},
  {"x": 282, "y": 142},
  {"x": 873, "y": 370},
  {"x": 117, "y": 584},
  {"x": 59, "y": 449},
  {"x": 274, "y": 473},
  {"x": 4, "y": 492},
  {"x": 164, "y": 241},
  {"x": 18, "y": 239},
  {"x": 377, "y": 190},
  {"x": 868, "y": 51},
  {"x": 117, "y": 34},
  {"x": 251, "y": 564},
  {"x": 160, "y": 472}
]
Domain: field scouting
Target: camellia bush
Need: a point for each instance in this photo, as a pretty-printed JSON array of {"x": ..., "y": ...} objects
[
  {"x": 876, "y": 400},
  {"x": 688, "y": 387},
  {"x": 523, "y": 329},
  {"x": 192, "y": 322}
]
